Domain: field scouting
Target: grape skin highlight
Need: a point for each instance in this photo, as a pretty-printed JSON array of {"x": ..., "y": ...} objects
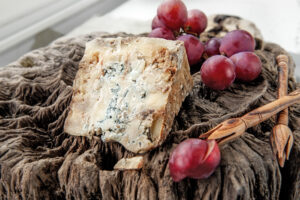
[
  {"x": 173, "y": 14},
  {"x": 218, "y": 72},
  {"x": 237, "y": 41}
]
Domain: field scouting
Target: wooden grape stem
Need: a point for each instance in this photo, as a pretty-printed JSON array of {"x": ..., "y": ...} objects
[
  {"x": 281, "y": 137},
  {"x": 235, "y": 127},
  {"x": 282, "y": 60},
  {"x": 263, "y": 113}
]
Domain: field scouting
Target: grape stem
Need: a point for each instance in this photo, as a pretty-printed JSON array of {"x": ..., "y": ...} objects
[
  {"x": 282, "y": 136},
  {"x": 232, "y": 128}
]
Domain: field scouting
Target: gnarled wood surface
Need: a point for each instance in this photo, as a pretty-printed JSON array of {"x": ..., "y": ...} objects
[{"x": 39, "y": 161}]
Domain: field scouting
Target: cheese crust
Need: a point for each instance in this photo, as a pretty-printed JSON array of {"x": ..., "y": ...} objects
[{"x": 129, "y": 90}]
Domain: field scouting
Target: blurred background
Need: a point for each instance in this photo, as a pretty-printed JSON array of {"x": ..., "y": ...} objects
[{"x": 29, "y": 24}]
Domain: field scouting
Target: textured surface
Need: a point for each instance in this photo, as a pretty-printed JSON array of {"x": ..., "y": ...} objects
[{"x": 39, "y": 161}]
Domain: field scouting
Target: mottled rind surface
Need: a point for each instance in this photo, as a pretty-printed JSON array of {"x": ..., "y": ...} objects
[{"x": 39, "y": 161}]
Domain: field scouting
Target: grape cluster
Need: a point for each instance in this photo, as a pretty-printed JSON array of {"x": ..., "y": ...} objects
[
  {"x": 229, "y": 58},
  {"x": 174, "y": 21}
]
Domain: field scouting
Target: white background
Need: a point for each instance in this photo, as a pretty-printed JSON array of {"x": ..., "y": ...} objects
[{"x": 278, "y": 20}]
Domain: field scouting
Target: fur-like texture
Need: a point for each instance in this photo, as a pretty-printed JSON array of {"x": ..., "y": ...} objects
[{"x": 39, "y": 161}]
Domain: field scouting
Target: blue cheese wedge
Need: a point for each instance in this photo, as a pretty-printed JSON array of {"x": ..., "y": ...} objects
[{"x": 129, "y": 90}]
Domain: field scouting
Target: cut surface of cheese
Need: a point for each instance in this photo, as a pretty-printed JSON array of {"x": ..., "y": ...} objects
[
  {"x": 130, "y": 163},
  {"x": 129, "y": 90}
]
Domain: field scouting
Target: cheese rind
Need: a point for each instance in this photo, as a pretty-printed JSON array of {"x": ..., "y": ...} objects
[{"x": 129, "y": 90}]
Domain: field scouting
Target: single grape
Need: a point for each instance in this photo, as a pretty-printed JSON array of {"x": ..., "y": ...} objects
[
  {"x": 156, "y": 23},
  {"x": 237, "y": 41},
  {"x": 196, "y": 22},
  {"x": 162, "y": 33},
  {"x": 172, "y": 13},
  {"x": 194, "y": 48},
  {"x": 248, "y": 65},
  {"x": 194, "y": 158},
  {"x": 218, "y": 72},
  {"x": 212, "y": 46}
]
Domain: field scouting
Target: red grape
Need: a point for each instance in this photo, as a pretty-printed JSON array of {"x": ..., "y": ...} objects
[
  {"x": 156, "y": 23},
  {"x": 162, "y": 33},
  {"x": 248, "y": 65},
  {"x": 212, "y": 47},
  {"x": 218, "y": 72},
  {"x": 194, "y": 48},
  {"x": 172, "y": 13},
  {"x": 196, "y": 22},
  {"x": 237, "y": 41},
  {"x": 194, "y": 158}
]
